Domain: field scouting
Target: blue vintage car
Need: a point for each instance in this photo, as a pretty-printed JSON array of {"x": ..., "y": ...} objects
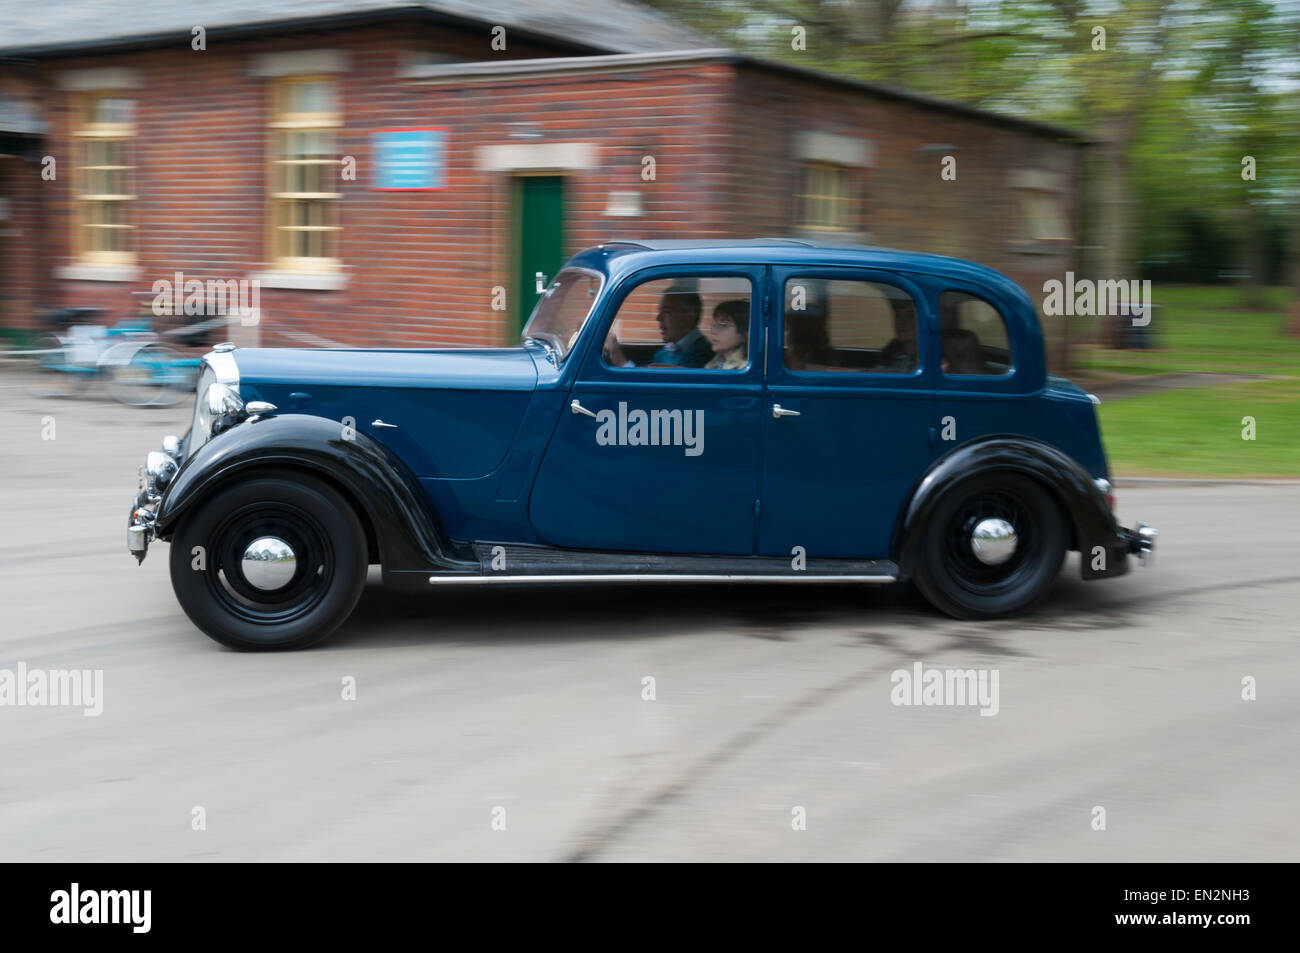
[{"x": 766, "y": 411}]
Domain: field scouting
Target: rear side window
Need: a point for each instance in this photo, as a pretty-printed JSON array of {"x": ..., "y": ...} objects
[
  {"x": 973, "y": 335},
  {"x": 849, "y": 325}
]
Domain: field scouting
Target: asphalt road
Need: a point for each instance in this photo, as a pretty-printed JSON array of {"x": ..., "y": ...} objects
[{"x": 524, "y": 706}]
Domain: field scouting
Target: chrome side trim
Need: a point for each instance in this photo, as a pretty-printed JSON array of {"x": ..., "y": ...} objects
[{"x": 657, "y": 577}]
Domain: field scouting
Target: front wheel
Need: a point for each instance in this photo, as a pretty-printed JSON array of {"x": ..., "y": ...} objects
[
  {"x": 271, "y": 563},
  {"x": 993, "y": 547}
]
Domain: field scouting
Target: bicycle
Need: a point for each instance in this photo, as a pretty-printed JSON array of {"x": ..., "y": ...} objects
[{"x": 136, "y": 364}]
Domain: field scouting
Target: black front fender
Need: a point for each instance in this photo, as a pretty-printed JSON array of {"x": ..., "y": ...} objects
[
  {"x": 406, "y": 528},
  {"x": 1091, "y": 521}
]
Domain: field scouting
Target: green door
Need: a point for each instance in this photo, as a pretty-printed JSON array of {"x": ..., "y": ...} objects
[{"x": 538, "y": 239}]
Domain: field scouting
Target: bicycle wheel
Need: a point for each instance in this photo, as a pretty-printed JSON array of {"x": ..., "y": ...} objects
[
  {"x": 179, "y": 376},
  {"x": 54, "y": 372},
  {"x": 148, "y": 377}
]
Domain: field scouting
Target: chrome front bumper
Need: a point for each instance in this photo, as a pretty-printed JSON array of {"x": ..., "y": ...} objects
[
  {"x": 1142, "y": 542},
  {"x": 139, "y": 532},
  {"x": 158, "y": 469}
]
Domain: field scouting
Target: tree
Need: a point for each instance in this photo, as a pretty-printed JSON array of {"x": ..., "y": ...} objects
[{"x": 1177, "y": 93}]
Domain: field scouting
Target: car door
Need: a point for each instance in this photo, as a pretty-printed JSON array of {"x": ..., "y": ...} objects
[
  {"x": 652, "y": 456},
  {"x": 847, "y": 410},
  {"x": 982, "y": 378}
]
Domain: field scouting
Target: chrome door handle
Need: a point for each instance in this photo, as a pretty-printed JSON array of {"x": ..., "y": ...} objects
[
  {"x": 778, "y": 412},
  {"x": 380, "y": 423},
  {"x": 577, "y": 408}
]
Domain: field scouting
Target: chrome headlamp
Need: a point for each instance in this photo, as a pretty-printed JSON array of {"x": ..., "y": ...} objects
[
  {"x": 218, "y": 407},
  {"x": 159, "y": 468}
]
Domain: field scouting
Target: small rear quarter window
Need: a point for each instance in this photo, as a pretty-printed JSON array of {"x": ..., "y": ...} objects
[{"x": 974, "y": 339}]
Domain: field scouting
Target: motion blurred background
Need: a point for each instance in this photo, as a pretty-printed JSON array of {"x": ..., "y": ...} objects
[
  {"x": 400, "y": 172},
  {"x": 391, "y": 173}
]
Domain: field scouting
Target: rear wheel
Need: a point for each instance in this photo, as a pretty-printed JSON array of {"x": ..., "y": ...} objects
[
  {"x": 271, "y": 563},
  {"x": 993, "y": 546}
]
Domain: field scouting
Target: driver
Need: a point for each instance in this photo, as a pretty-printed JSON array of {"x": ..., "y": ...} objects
[{"x": 679, "y": 319}]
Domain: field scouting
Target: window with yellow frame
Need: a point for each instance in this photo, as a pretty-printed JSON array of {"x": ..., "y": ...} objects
[
  {"x": 104, "y": 132},
  {"x": 304, "y": 174},
  {"x": 826, "y": 197},
  {"x": 1042, "y": 216}
]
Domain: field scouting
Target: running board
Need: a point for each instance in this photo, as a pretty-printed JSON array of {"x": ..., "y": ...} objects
[
  {"x": 629, "y": 577},
  {"x": 522, "y": 563}
]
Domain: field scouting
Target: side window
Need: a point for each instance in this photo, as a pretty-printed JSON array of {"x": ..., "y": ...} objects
[
  {"x": 696, "y": 322},
  {"x": 848, "y": 325},
  {"x": 974, "y": 336}
]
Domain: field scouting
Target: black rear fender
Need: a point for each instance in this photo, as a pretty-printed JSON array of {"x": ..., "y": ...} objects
[{"x": 1082, "y": 503}]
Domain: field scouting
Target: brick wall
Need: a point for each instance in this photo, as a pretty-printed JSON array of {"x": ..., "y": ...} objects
[
  {"x": 22, "y": 233},
  {"x": 676, "y": 115},
  {"x": 20, "y": 242},
  {"x": 421, "y": 266},
  {"x": 905, "y": 202}
]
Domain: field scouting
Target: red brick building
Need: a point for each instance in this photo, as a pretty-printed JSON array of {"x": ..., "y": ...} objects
[{"x": 252, "y": 150}]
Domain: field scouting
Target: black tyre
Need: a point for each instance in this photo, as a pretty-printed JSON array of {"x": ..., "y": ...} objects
[
  {"x": 242, "y": 591},
  {"x": 968, "y": 567}
]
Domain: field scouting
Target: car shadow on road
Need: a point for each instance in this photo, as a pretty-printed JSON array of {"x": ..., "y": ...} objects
[{"x": 510, "y": 613}]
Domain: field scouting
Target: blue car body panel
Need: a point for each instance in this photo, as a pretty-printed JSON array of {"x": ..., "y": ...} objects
[
  {"x": 455, "y": 412},
  {"x": 490, "y": 436}
]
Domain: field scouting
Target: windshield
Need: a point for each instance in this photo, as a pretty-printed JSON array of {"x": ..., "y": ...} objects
[{"x": 563, "y": 309}]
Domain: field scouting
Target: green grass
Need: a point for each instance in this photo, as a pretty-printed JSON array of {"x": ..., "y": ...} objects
[
  {"x": 1199, "y": 329},
  {"x": 1198, "y": 432}
]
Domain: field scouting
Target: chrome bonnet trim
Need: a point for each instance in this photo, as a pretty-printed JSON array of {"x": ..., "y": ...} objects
[{"x": 222, "y": 361}]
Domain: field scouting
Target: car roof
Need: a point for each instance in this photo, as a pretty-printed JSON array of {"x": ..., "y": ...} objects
[{"x": 623, "y": 254}]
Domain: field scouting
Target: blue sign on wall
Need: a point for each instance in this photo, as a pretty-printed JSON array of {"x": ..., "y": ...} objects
[{"x": 408, "y": 159}]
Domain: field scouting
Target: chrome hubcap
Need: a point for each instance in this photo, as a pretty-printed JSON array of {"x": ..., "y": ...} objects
[
  {"x": 993, "y": 541},
  {"x": 268, "y": 563}
]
